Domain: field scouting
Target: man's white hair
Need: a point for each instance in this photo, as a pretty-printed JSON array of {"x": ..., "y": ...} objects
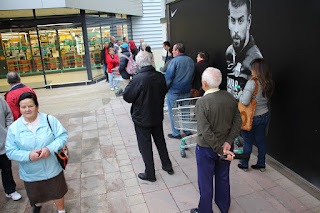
[
  {"x": 144, "y": 58},
  {"x": 212, "y": 76}
]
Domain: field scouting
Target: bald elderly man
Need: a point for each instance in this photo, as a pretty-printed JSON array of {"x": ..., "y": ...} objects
[{"x": 219, "y": 123}]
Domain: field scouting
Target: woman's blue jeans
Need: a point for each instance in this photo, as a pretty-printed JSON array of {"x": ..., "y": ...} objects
[
  {"x": 256, "y": 134},
  {"x": 111, "y": 80}
]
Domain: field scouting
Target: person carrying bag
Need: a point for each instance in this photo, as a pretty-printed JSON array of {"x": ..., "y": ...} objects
[{"x": 253, "y": 106}]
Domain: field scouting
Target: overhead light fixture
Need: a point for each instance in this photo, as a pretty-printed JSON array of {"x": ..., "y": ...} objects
[{"x": 58, "y": 24}]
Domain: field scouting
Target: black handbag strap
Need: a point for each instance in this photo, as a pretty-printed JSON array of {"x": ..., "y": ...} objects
[{"x": 50, "y": 125}]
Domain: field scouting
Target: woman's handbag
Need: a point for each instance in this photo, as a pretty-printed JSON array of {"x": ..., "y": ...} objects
[
  {"x": 62, "y": 154},
  {"x": 195, "y": 93},
  {"x": 247, "y": 112}
]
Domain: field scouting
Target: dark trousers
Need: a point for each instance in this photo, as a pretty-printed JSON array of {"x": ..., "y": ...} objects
[
  {"x": 6, "y": 173},
  {"x": 145, "y": 147},
  {"x": 208, "y": 166}
]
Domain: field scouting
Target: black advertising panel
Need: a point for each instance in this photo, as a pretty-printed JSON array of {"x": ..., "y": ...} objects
[{"x": 285, "y": 34}]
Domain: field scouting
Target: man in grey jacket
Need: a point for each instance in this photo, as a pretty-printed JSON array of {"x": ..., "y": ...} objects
[
  {"x": 219, "y": 123},
  {"x": 6, "y": 119}
]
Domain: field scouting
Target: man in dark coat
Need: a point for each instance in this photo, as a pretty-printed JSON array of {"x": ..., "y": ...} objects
[
  {"x": 146, "y": 91},
  {"x": 103, "y": 55},
  {"x": 199, "y": 67}
]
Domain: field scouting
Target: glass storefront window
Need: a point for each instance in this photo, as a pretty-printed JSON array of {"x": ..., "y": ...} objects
[{"x": 62, "y": 47}]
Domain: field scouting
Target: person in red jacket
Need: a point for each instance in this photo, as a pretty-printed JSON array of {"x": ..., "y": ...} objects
[
  {"x": 112, "y": 62},
  {"x": 17, "y": 88}
]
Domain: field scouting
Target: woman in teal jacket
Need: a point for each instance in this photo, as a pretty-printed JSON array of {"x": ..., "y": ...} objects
[{"x": 32, "y": 143}]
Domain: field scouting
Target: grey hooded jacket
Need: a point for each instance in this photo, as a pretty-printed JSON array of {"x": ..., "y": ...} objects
[{"x": 6, "y": 119}]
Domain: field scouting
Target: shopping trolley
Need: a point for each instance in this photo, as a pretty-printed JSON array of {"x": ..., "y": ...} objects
[
  {"x": 184, "y": 118},
  {"x": 117, "y": 77}
]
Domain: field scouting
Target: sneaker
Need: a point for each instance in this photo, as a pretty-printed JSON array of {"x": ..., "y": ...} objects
[
  {"x": 112, "y": 89},
  {"x": 175, "y": 137},
  {"x": 14, "y": 196},
  {"x": 244, "y": 168},
  {"x": 257, "y": 167}
]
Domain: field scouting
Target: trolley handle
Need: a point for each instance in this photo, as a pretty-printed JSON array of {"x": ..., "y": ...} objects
[{"x": 237, "y": 156}]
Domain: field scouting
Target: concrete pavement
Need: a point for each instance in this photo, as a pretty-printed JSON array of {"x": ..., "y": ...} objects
[{"x": 105, "y": 160}]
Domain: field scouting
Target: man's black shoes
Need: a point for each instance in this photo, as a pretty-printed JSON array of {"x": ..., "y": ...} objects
[
  {"x": 244, "y": 168},
  {"x": 170, "y": 171},
  {"x": 175, "y": 137},
  {"x": 36, "y": 209},
  {"x": 143, "y": 176},
  {"x": 257, "y": 167}
]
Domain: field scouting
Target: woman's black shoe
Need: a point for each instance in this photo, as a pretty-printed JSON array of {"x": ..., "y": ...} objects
[
  {"x": 170, "y": 171},
  {"x": 194, "y": 211},
  {"x": 143, "y": 176},
  {"x": 257, "y": 167},
  {"x": 36, "y": 209},
  {"x": 244, "y": 168}
]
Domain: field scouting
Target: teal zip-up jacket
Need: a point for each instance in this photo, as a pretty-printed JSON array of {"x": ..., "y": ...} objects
[{"x": 21, "y": 141}]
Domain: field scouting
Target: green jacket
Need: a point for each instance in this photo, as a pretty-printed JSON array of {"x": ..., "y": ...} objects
[{"x": 218, "y": 120}]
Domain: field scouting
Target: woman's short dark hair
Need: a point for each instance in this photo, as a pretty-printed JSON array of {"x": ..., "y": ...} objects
[
  {"x": 28, "y": 95},
  {"x": 204, "y": 55},
  {"x": 148, "y": 49}
]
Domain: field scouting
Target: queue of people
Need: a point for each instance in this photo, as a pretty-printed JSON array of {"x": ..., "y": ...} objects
[{"x": 217, "y": 113}]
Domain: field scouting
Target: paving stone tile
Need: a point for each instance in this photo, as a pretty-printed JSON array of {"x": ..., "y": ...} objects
[
  {"x": 127, "y": 175},
  {"x": 131, "y": 182},
  {"x": 105, "y": 140},
  {"x": 260, "y": 204},
  {"x": 185, "y": 196},
  {"x": 191, "y": 172},
  {"x": 189, "y": 159},
  {"x": 94, "y": 204},
  {"x": 114, "y": 182},
  {"x": 75, "y": 156},
  {"x": 90, "y": 168},
  {"x": 74, "y": 145},
  {"x": 285, "y": 183},
  {"x": 122, "y": 156},
  {"x": 147, "y": 187},
  {"x": 117, "y": 202},
  {"x": 15, "y": 206},
  {"x": 159, "y": 201},
  {"x": 90, "y": 126},
  {"x": 126, "y": 168},
  {"x": 93, "y": 185},
  {"x": 177, "y": 179},
  {"x": 239, "y": 187},
  {"x": 73, "y": 206},
  {"x": 309, "y": 201},
  {"x": 72, "y": 171},
  {"x": 133, "y": 190},
  {"x": 316, "y": 209},
  {"x": 104, "y": 132},
  {"x": 75, "y": 128},
  {"x": 286, "y": 199},
  {"x": 107, "y": 151},
  {"x": 110, "y": 165},
  {"x": 135, "y": 200},
  {"x": 124, "y": 162},
  {"x": 89, "y": 119},
  {"x": 89, "y": 134},
  {"x": 73, "y": 189},
  {"x": 102, "y": 125},
  {"x": 75, "y": 121},
  {"x": 91, "y": 154},
  {"x": 140, "y": 208},
  {"x": 90, "y": 143},
  {"x": 297, "y": 191}
]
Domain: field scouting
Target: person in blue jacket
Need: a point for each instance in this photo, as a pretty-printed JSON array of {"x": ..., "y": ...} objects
[{"x": 32, "y": 143}]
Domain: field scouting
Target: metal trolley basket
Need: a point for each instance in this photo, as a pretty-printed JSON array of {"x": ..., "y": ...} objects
[
  {"x": 184, "y": 118},
  {"x": 117, "y": 77}
]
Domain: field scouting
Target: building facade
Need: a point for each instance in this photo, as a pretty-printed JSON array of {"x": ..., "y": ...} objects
[{"x": 59, "y": 42}]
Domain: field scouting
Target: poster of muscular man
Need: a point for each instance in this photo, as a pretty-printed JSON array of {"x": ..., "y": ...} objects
[{"x": 243, "y": 49}]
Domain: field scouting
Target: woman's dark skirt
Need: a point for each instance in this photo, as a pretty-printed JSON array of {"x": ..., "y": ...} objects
[{"x": 46, "y": 190}]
